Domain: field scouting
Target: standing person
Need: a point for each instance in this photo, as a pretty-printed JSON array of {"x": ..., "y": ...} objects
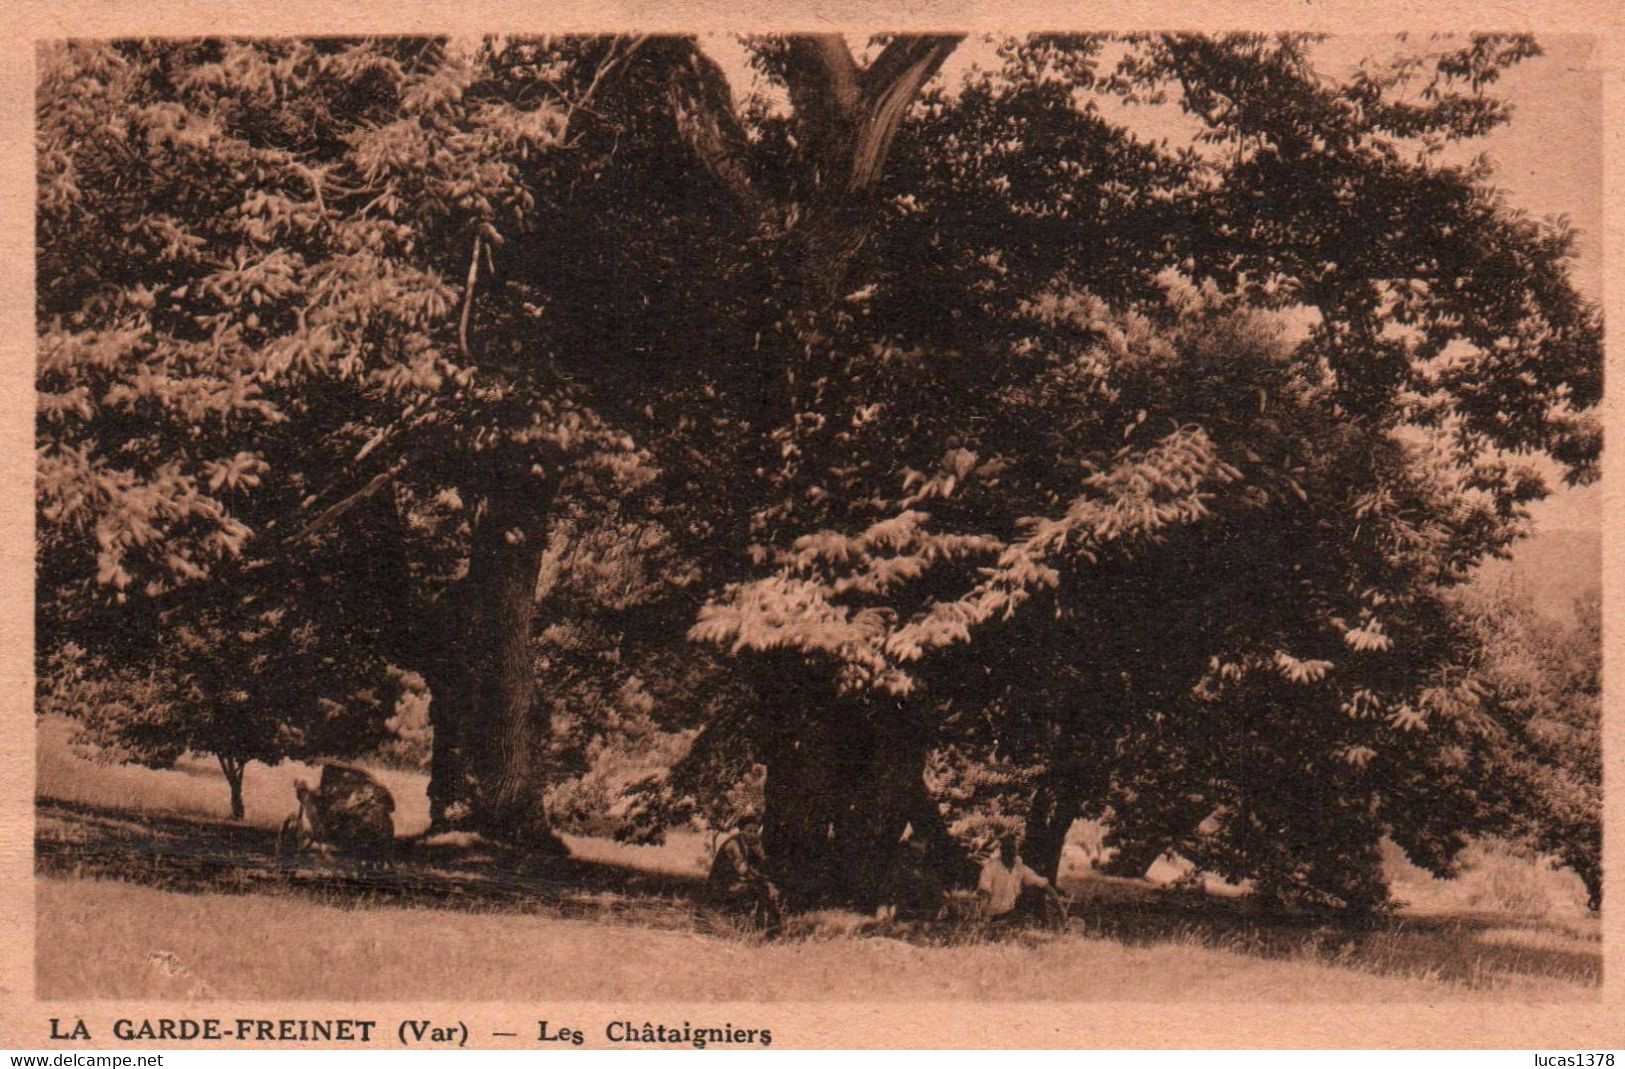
[
  {"x": 738, "y": 874},
  {"x": 1006, "y": 881}
]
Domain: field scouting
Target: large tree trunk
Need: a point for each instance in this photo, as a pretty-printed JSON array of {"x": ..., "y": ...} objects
[
  {"x": 501, "y": 738},
  {"x": 485, "y": 772},
  {"x": 809, "y": 775},
  {"x": 1054, "y": 809},
  {"x": 1072, "y": 782},
  {"x": 843, "y": 785},
  {"x": 446, "y": 669},
  {"x": 430, "y": 636},
  {"x": 878, "y": 800},
  {"x": 891, "y": 797}
]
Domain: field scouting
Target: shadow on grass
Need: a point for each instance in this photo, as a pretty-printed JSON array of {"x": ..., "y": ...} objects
[
  {"x": 195, "y": 855},
  {"x": 1471, "y": 949}
]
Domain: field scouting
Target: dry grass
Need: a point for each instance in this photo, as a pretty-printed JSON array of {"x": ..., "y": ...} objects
[
  {"x": 1495, "y": 880},
  {"x": 102, "y": 943},
  {"x": 684, "y": 853},
  {"x": 195, "y": 787}
]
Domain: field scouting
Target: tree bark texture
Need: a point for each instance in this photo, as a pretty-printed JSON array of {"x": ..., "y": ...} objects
[
  {"x": 808, "y": 778},
  {"x": 1054, "y": 809},
  {"x": 507, "y": 795},
  {"x": 448, "y": 673},
  {"x": 841, "y": 792}
]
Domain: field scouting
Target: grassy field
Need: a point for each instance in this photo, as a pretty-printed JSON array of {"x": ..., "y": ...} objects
[
  {"x": 195, "y": 787},
  {"x": 119, "y": 847},
  {"x": 101, "y": 944}
]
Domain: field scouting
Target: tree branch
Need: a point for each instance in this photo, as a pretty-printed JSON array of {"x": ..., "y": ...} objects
[
  {"x": 851, "y": 114},
  {"x": 901, "y": 54},
  {"x": 890, "y": 85},
  {"x": 612, "y": 59},
  {"x": 468, "y": 297},
  {"x": 822, "y": 78},
  {"x": 703, "y": 108},
  {"x": 334, "y": 511}
]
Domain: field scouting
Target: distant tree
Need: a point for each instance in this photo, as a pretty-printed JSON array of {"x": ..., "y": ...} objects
[
  {"x": 1543, "y": 678},
  {"x": 122, "y": 712},
  {"x": 243, "y": 677}
]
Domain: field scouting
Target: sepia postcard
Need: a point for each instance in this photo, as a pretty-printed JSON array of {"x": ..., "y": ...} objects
[{"x": 762, "y": 527}]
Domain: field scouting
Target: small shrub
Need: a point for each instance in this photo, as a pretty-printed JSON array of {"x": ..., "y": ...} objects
[{"x": 1502, "y": 878}]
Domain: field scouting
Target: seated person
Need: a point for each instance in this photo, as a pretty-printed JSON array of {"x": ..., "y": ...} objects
[
  {"x": 738, "y": 873},
  {"x": 1005, "y": 885}
]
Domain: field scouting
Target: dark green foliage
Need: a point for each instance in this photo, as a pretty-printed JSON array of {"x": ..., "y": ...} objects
[
  {"x": 967, "y": 431},
  {"x": 1188, "y": 559},
  {"x": 258, "y": 267}
]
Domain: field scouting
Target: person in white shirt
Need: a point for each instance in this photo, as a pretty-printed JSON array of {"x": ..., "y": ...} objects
[{"x": 1004, "y": 877}]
